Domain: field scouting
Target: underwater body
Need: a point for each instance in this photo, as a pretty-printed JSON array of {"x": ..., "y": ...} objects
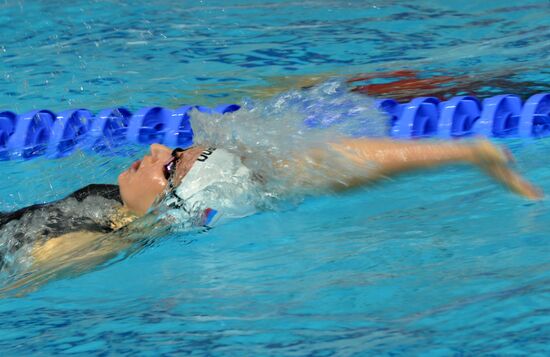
[{"x": 443, "y": 262}]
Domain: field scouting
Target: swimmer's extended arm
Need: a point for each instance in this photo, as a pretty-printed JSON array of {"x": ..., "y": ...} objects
[
  {"x": 63, "y": 248},
  {"x": 388, "y": 157},
  {"x": 67, "y": 255},
  {"x": 70, "y": 254},
  {"x": 354, "y": 162},
  {"x": 77, "y": 252}
]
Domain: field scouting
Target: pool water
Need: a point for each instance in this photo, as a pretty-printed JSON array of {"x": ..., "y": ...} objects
[{"x": 439, "y": 263}]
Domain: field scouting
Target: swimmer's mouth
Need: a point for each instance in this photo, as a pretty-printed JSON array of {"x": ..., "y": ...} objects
[{"x": 135, "y": 166}]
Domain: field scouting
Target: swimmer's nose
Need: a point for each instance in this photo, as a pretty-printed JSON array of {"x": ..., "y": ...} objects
[{"x": 159, "y": 151}]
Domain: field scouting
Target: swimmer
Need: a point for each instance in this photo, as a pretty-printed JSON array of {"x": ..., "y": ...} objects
[
  {"x": 189, "y": 171},
  {"x": 208, "y": 185}
]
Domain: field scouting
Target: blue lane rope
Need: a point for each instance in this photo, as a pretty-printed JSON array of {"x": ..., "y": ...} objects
[
  {"x": 499, "y": 116},
  {"x": 42, "y": 132}
]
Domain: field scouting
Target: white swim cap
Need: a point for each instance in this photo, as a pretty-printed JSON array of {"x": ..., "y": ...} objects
[{"x": 218, "y": 186}]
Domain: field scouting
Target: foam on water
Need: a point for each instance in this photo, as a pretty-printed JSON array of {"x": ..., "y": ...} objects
[{"x": 280, "y": 137}]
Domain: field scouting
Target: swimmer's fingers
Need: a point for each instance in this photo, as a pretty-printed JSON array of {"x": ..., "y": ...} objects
[{"x": 514, "y": 182}]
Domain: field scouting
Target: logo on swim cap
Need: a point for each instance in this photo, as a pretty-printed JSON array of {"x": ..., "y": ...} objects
[{"x": 205, "y": 154}]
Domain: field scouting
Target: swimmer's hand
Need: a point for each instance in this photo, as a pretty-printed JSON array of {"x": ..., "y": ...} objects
[{"x": 496, "y": 162}]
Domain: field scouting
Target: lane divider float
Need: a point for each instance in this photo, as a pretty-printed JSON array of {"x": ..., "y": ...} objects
[{"x": 43, "y": 132}]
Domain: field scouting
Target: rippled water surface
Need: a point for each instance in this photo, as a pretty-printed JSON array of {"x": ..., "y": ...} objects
[
  {"x": 442, "y": 263},
  {"x": 102, "y": 53}
]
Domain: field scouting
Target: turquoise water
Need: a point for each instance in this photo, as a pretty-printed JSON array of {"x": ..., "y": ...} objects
[{"x": 445, "y": 263}]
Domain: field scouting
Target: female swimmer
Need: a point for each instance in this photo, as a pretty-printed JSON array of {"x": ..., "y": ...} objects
[{"x": 206, "y": 185}]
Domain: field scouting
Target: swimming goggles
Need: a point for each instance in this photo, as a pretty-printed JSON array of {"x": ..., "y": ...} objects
[{"x": 170, "y": 168}]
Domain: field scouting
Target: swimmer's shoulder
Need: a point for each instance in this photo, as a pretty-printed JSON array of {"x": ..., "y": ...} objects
[
  {"x": 6, "y": 217},
  {"x": 60, "y": 211},
  {"x": 107, "y": 191}
]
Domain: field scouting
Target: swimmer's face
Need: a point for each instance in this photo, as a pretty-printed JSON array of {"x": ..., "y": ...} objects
[{"x": 144, "y": 180}]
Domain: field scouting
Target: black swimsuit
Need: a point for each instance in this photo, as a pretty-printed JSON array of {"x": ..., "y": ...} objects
[{"x": 87, "y": 209}]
